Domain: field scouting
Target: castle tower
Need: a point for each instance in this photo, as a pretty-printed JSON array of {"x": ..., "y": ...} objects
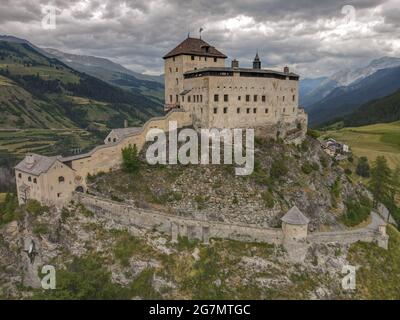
[
  {"x": 257, "y": 62},
  {"x": 295, "y": 229},
  {"x": 191, "y": 54}
]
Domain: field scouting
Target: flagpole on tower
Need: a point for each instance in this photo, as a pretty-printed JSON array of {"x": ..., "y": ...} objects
[{"x": 200, "y": 31}]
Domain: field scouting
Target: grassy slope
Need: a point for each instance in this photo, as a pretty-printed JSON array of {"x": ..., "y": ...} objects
[
  {"x": 372, "y": 141},
  {"x": 24, "y": 106},
  {"x": 379, "y": 274}
]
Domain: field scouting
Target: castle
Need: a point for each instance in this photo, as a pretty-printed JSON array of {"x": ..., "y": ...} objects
[{"x": 200, "y": 91}]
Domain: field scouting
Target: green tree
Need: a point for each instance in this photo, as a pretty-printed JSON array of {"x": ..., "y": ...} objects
[
  {"x": 381, "y": 180},
  {"x": 363, "y": 168},
  {"x": 130, "y": 159},
  {"x": 396, "y": 181}
]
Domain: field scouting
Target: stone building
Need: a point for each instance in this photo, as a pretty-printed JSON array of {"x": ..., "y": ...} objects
[
  {"x": 200, "y": 91},
  {"x": 197, "y": 81}
]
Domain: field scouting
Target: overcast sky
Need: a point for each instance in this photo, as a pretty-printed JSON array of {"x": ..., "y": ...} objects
[{"x": 313, "y": 37}]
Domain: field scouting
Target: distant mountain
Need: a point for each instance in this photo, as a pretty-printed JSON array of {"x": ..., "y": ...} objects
[
  {"x": 322, "y": 87},
  {"x": 346, "y": 99},
  {"x": 37, "y": 91},
  {"x": 114, "y": 73},
  {"x": 382, "y": 110}
]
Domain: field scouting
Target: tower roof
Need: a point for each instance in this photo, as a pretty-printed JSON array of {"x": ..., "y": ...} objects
[
  {"x": 195, "y": 46},
  {"x": 295, "y": 216},
  {"x": 257, "y": 58}
]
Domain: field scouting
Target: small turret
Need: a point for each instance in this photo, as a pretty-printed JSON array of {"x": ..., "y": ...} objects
[
  {"x": 257, "y": 62},
  {"x": 235, "y": 63},
  {"x": 286, "y": 70}
]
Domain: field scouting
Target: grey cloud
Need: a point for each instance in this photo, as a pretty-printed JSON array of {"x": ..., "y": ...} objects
[{"x": 137, "y": 33}]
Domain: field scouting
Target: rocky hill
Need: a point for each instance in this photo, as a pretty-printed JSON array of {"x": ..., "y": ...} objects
[{"x": 99, "y": 259}]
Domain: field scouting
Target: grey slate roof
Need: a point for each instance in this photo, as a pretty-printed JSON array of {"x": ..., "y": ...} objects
[
  {"x": 36, "y": 164},
  {"x": 294, "y": 216},
  {"x": 123, "y": 132}
]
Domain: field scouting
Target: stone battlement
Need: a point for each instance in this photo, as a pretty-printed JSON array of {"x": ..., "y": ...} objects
[{"x": 295, "y": 242}]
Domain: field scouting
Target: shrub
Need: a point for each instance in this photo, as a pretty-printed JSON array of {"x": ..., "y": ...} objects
[
  {"x": 313, "y": 133},
  {"x": 348, "y": 171},
  {"x": 85, "y": 278},
  {"x": 130, "y": 159},
  {"x": 278, "y": 169},
  {"x": 308, "y": 167},
  {"x": 356, "y": 212},
  {"x": 336, "y": 188},
  {"x": 34, "y": 207},
  {"x": 363, "y": 168},
  {"x": 268, "y": 199},
  {"x": 9, "y": 209}
]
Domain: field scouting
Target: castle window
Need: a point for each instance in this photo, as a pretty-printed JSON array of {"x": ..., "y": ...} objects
[
  {"x": 192, "y": 57},
  {"x": 197, "y": 98},
  {"x": 255, "y": 98},
  {"x": 201, "y": 98},
  {"x": 248, "y": 110},
  {"x": 247, "y": 97},
  {"x": 176, "y": 69},
  {"x": 255, "y": 110},
  {"x": 199, "y": 58},
  {"x": 215, "y": 110},
  {"x": 19, "y": 175},
  {"x": 266, "y": 110},
  {"x": 284, "y": 110},
  {"x": 263, "y": 98},
  {"x": 215, "y": 97},
  {"x": 177, "y": 81},
  {"x": 283, "y": 98},
  {"x": 173, "y": 58},
  {"x": 34, "y": 180},
  {"x": 29, "y": 179},
  {"x": 109, "y": 139},
  {"x": 183, "y": 98},
  {"x": 59, "y": 195},
  {"x": 238, "y": 110},
  {"x": 177, "y": 98},
  {"x": 194, "y": 98},
  {"x": 225, "y": 97},
  {"x": 225, "y": 110},
  {"x": 239, "y": 98},
  {"x": 170, "y": 98},
  {"x": 215, "y": 59},
  {"x": 61, "y": 179},
  {"x": 115, "y": 140},
  {"x": 294, "y": 97},
  {"x": 293, "y": 109},
  {"x": 201, "y": 110},
  {"x": 205, "y": 58},
  {"x": 188, "y": 98}
]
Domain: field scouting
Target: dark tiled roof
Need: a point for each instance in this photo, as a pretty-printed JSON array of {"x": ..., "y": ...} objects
[
  {"x": 194, "y": 46},
  {"x": 294, "y": 216}
]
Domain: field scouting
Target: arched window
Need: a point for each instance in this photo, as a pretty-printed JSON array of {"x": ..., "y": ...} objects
[
  {"x": 34, "y": 180},
  {"x": 19, "y": 175},
  {"x": 61, "y": 179},
  {"x": 29, "y": 179},
  {"x": 109, "y": 139},
  {"x": 115, "y": 140}
]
